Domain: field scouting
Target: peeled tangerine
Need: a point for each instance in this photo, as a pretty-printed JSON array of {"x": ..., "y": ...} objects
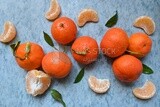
[
  {"x": 98, "y": 85},
  {"x": 9, "y": 32},
  {"x": 37, "y": 82},
  {"x": 53, "y": 11},
  {"x": 146, "y": 23},
  {"x": 146, "y": 92},
  {"x": 87, "y": 15}
]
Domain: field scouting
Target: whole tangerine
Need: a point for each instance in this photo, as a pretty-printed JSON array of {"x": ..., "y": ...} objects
[
  {"x": 85, "y": 50},
  {"x": 64, "y": 30},
  {"x": 57, "y": 64},
  {"x": 140, "y": 44},
  {"x": 33, "y": 59},
  {"x": 114, "y": 43},
  {"x": 127, "y": 68}
]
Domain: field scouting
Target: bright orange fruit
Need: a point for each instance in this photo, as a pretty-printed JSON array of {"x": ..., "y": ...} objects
[
  {"x": 85, "y": 50},
  {"x": 34, "y": 58},
  {"x": 127, "y": 68},
  {"x": 140, "y": 44},
  {"x": 114, "y": 43},
  {"x": 64, "y": 30},
  {"x": 57, "y": 64}
]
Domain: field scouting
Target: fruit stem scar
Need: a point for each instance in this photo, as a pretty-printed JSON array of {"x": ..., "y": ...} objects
[
  {"x": 134, "y": 53},
  {"x": 61, "y": 25},
  {"x": 27, "y": 50},
  {"x": 81, "y": 52}
]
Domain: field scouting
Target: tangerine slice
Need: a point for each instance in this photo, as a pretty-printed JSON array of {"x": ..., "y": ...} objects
[
  {"x": 9, "y": 32},
  {"x": 98, "y": 85},
  {"x": 146, "y": 23},
  {"x": 54, "y": 10},
  {"x": 87, "y": 15},
  {"x": 37, "y": 82},
  {"x": 147, "y": 91}
]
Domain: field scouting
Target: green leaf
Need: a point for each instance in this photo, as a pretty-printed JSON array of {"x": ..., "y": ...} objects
[
  {"x": 48, "y": 39},
  {"x": 112, "y": 21},
  {"x": 15, "y": 46},
  {"x": 80, "y": 75},
  {"x": 147, "y": 70},
  {"x": 58, "y": 97}
]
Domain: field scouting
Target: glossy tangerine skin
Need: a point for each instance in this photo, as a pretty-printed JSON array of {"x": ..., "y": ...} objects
[
  {"x": 34, "y": 59},
  {"x": 127, "y": 68},
  {"x": 114, "y": 43},
  {"x": 57, "y": 64},
  {"x": 88, "y": 44},
  {"x": 140, "y": 43},
  {"x": 64, "y": 30}
]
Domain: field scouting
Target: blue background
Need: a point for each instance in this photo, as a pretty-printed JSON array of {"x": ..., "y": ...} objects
[{"x": 28, "y": 17}]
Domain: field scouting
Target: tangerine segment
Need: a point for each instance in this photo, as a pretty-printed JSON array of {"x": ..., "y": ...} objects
[
  {"x": 37, "y": 82},
  {"x": 146, "y": 92},
  {"x": 146, "y": 23},
  {"x": 57, "y": 64},
  {"x": 9, "y": 32},
  {"x": 54, "y": 10},
  {"x": 87, "y": 15},
  {"x": 98, "y": 85}
]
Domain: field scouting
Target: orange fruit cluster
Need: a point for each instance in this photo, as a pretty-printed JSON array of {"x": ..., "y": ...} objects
[{"x": 115, "y": 44}]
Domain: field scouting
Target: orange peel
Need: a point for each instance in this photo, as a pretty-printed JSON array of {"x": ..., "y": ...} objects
[
  {"x": 54, "y": 10},
  {"x": 146, "y": 23},
  {"x": 98, "y": 85},
  {"x": 9, "y": 32},
  {"x": 147, "y": 91},
  {"x": 37, "y": 82},
  {"x": 87, "y": 15}
]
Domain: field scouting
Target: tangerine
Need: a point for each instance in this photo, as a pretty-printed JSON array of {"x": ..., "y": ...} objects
[
  {"x": 85, "y": 50},
  {"x": 32, "y": 59},
  {"x": 140, "y": 43},
  {"x": 127, "y": 68},
  {"x": 57, "y": 64},
  {"x": 114, "y": 43},
  {"x": 64, "y": 30}
]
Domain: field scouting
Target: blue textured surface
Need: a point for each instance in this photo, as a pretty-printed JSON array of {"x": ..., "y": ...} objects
[{"x": 28, "y": 17}]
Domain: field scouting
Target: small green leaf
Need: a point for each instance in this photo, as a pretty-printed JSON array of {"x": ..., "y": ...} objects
[
  {"x": 147, "y": 70},
  {"x": 112, "y": 21},
  {"x": 57, "y": 96},
  {"x": 80, "y": 75},
  {"x": 48, "y": 39},
  {"x": 80, "y": 52},
  {"x": 15, "y": 46}
]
